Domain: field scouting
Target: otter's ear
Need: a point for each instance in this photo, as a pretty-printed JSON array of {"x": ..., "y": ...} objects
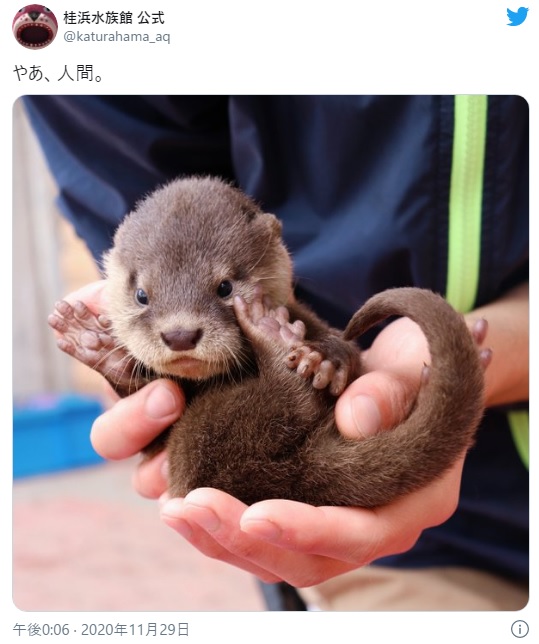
[{"x": 272, "y": 224}]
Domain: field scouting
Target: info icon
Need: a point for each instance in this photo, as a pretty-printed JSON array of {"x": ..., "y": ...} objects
[{"x": 35, "y": 26}]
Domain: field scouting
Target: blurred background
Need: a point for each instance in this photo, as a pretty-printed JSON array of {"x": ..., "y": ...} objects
[{"x": 82, "y": 538}]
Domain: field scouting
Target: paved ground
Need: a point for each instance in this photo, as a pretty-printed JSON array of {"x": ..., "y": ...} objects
[{"x": 84, "y": 540}]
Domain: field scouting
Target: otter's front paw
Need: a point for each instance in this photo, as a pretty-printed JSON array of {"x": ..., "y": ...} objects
[
  {"x": 87, "y": 337},
  {"x": 267, "y": 327},
  {"x": 271, "y": 328}
]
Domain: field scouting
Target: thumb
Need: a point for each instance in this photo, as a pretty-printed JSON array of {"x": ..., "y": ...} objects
[
  {"x": 375, "y": 402},
  {"x": 133, "y": 422},
  {"x": 91, "y": 294}
]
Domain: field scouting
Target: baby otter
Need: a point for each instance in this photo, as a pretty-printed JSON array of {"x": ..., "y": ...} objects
[{"x": 200, "y": 290}]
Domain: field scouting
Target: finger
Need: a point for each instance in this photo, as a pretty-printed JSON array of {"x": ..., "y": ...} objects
[
  {"x": 485, "y": 357},
  {"x": 347, "y": 537},
  {"x": 91, "y": 294},
  {"x": 150, "y": 477},
  {"x": 133, "y": 422},
  {"x": 183, "y": 521},
  {"x": 344, "y": 534},
  {"x": 375, "y": 402},
  {"x": 478, "y": 328},
  {"x": 219, "y": 515},
  {"x": 355, "y": 535}
]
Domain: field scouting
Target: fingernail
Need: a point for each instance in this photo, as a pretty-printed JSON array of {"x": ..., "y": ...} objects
[
  {"x": 263, "y": 529},
  {"x": 171, "y": 507},
  {"x": 206, "y": 518},
  {"x": 485, "y": 357},
  {"x": 366, "y": 416},
  {"x": 160, "y": 403},
  {"x": 183, "y": 528},
  {"x": 169, "y": 514}
]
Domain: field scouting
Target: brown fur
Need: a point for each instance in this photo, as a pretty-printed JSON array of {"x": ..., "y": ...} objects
[{"x": 254, "y": 427}]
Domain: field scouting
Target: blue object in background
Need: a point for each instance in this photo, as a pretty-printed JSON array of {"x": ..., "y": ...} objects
[{"x": 52, "y": 433}]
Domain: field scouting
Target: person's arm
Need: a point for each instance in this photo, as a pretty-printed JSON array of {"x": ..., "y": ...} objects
[{"x": 302, "y": 544}]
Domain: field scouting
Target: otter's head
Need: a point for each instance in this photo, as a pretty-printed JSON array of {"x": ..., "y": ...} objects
[{"x": 178, "y": 261}]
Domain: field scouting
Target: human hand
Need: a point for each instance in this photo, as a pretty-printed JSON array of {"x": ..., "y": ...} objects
[
  {"x": 274, "y": 540},
  {"x": 134, "y": 422},
  {"x": 305, "y": 545},
  {"x": 384, "y": 395},
  {"x": 285, "y": 540}
]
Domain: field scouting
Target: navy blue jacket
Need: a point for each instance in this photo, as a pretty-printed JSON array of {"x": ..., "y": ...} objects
[{"x": 362, "y": 186}]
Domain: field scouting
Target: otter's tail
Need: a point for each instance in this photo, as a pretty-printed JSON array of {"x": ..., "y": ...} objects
[{"x": 440, "y": 427}]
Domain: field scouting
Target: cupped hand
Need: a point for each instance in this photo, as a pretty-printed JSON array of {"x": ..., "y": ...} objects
[
  {"x": 305, "y": 545},
  {"x": 286, "y": 540}
]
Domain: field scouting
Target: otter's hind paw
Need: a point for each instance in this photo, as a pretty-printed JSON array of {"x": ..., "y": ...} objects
[{"x": 308, "y": 362}]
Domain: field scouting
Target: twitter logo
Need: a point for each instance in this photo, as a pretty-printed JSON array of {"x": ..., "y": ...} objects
[{"x": 517, "y": 17}]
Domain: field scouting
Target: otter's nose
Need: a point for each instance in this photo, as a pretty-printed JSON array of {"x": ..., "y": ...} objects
[
  {"x": 34, "y": 15},
  {"x": 182, "y": 339}
]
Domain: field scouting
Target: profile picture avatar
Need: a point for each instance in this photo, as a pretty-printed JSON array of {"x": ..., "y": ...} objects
[{"x": 35, "y": 26}]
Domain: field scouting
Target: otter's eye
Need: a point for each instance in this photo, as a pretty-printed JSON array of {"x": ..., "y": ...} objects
[
  {"x": 141, "y": 297},
  {"x": 224, "y": 289}
]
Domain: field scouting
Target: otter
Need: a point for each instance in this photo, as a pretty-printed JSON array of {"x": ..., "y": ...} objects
[{"x": 200, "y": 290}]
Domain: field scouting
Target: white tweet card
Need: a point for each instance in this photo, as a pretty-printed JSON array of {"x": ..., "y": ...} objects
[{"x": 360, "y": 147}]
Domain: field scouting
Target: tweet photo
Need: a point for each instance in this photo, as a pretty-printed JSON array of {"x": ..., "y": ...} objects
[{"x": 270, "y": 321}]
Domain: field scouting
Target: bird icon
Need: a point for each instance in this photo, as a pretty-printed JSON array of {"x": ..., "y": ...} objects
[{"x": 517, "y": 17}]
